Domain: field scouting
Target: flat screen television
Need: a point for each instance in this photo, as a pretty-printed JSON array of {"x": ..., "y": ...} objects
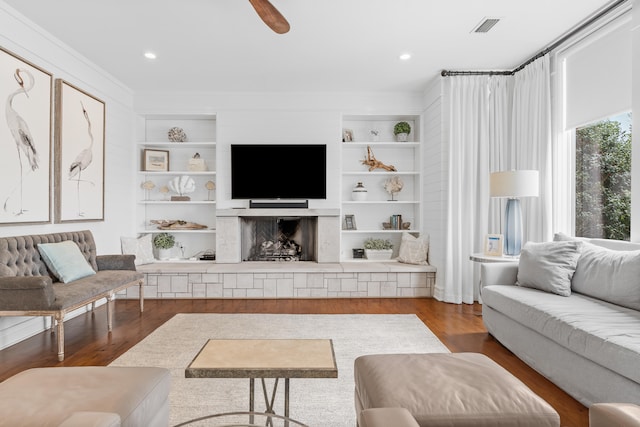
[{"x": 278, "y": 171}]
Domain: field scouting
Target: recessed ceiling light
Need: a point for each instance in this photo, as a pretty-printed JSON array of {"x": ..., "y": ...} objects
[
  {"x": 405, "y": 56},
  {"x": 150, "y": 55}
]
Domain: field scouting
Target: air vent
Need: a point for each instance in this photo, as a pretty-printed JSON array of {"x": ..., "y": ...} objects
[{"x": 485, "y": 25}]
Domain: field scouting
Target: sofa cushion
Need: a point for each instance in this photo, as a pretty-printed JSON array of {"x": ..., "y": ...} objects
[
  {"x": 141, "y": 247},
  {"x": 548, "y": 266},
  {"x": 48, "y": 396},
  {"x": 449, "y": 389},
  {"x": 65, "y": 261},
  {"x": 76, "y": 292},
  {"x": 609, "y": 275},
  {"x": 604, "y": 333},
  {"x": 414, "y": 250}
]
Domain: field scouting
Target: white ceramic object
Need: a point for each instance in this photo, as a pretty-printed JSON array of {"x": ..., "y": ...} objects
[
  {"x": 359, "y": 193},
  {"x": 378, "y": 254}
]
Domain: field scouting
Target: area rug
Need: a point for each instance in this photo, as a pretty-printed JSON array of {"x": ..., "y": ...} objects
[{"x": 315, "y": 402}]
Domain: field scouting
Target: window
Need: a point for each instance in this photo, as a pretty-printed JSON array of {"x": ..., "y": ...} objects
[{"x": 603, "y": 179}]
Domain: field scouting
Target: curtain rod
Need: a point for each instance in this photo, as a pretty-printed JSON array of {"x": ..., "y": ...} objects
[{"x": 448, "y": 73}]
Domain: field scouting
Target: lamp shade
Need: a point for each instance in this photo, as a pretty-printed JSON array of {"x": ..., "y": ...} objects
[{"x": 516, "y": 183}]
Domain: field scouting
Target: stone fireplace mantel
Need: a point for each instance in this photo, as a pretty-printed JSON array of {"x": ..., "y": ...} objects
[{"x": 228, "y": 233}]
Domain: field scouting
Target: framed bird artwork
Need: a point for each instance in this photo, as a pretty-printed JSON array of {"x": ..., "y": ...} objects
[
  {"x": 79, "y": 135},
  {"x": 25, "y": 141}
]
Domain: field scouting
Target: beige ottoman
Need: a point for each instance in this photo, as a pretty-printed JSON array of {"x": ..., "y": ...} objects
[
  {"x": 443, "y": 389},
  {"x": 614, "y": 414},
  {"x": 86, "y": 396}
]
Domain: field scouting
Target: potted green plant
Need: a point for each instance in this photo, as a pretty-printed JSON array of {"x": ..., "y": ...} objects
[
  {"x": 378, "y": 249},
  {"x": 402, "y": 130},
  {"x": 164, "y": 242}
]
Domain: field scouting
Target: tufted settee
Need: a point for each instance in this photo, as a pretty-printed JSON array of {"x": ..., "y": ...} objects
[{"x": 29, "y": 288}]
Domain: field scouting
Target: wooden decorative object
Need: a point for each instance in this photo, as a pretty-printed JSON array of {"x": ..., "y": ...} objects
[
  {"x": 374, "y": 163},
  {"x": 177, "y": 224}
]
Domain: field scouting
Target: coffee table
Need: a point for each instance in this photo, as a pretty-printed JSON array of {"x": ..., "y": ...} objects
[{"x": 265, "y": 358}]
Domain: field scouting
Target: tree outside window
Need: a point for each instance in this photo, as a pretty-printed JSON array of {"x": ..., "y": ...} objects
[{"x": 603, "y": 179}]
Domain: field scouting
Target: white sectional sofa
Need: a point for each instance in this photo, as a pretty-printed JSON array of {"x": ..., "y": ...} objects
[{"x": 587, "y": 343}]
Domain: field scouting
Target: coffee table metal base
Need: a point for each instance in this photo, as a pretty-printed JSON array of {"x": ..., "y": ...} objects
[
  {"x": 202, "y": 421},
  {"x": 269, "y": 402}
]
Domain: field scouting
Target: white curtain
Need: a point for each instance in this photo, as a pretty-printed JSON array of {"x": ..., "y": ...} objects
[
  {"x": 531, "y": 139},
  {"x": 494, "y": 123}
]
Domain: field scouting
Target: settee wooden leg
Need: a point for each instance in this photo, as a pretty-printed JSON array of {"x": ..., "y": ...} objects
[
  {"x": 141, "y": 293},
  {"x": 110, "y": 312},
  {"x": 59, "y": 318},
  {"x": 53, "y": 324}
]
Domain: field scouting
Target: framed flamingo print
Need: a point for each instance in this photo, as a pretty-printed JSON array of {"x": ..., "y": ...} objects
[
  {"x": 79, "y": 155},
  {"x": 25, "y": 141}
]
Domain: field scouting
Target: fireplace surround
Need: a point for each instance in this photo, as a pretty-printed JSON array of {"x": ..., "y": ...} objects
[{"x": 322, "y": 244}]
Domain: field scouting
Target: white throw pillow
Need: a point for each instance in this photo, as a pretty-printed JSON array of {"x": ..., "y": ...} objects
[
  {"x": 65, "y": 260},
  {"x": 141, "y": 247},
  {"x": 414, "y": 250},
  {"x": 549, "y": 266},
  {"x": 609, "y": 275}
]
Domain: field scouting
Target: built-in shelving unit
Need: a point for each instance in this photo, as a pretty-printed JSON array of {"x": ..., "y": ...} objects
[
  {"x": 156, "y": 204},
  {"x": 370, "y": 214}
]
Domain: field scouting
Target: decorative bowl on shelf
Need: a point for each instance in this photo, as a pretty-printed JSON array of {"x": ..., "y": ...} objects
[
  {"x": 386, "y": 225},
  {"x": 406, "y": 225}
]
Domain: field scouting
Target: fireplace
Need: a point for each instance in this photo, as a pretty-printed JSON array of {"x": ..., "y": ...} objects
[{"x": 279, "y": 238}]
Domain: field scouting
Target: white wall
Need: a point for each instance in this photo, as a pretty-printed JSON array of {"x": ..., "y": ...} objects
[
  {"x": 25, "y": 39},
  {"x": 435, "y": 174}
]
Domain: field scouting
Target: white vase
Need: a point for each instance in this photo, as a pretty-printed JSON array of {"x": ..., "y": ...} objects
[
  {"x": 359, "y": 193},
  {"x": 402, "y": 137},
  {"x": 164, "y": 254},
  {"x": 378, "y": 254}
]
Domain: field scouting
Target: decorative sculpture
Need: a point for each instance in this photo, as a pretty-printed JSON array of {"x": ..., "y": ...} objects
[
  {"x": 182, "y": 185},
  {"x": 374, "y": 163},
  {"x": 210, "y": 186},
  {"x": 393, "y": 185},
  {"x": 148, "y": 186}
]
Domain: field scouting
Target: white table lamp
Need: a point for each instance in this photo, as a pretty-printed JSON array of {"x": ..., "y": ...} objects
[{"x": 513, "y": 185}]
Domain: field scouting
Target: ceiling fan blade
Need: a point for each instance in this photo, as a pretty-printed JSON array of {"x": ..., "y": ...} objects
[{"x": 270, "y": 16}]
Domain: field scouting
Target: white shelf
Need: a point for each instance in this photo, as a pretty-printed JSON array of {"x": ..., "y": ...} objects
[
  {"x": 169, "y": 202},
  {"x": 152, "y": 133},
  {"x": 404, "y": 156},
  {"x": 178, "y": 144},
  {"x": 381, "y": 144},
  {"x": 378, "y": 231},
  {"x": 157, "y": 230},
  {"x": 176, "y": 173},
  {"x": 380, "y": 202},
  {"x": 182, "y": 261}
]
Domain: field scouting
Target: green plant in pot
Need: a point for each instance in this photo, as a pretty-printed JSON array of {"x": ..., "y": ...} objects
[
  {"x": 164, "y": 242},
  {"x": 402, "y": 130},
  {"x": 378, "y": 249}
]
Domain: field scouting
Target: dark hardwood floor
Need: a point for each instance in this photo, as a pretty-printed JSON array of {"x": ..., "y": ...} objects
[{"x": 459, "y": 327}]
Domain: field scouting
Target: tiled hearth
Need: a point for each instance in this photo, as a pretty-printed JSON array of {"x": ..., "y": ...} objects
[{"x": 285, "y": 280}]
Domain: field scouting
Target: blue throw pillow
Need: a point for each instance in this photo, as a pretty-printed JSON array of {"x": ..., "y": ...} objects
[{"x": 65, "y": 260}]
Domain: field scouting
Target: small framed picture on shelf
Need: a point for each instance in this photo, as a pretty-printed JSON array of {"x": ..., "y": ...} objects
[
  {"x": 155, "y": 160},
  {"x": 349, "y": 222},
  {"x": 493, "y": 244},
  {"x": 347, "y": 135}
]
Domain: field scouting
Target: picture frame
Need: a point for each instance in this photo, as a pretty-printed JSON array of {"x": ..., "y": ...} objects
[
  {"x": 349, "y": 222},
  {"x": 79, "y": 154},
  {"x": 25, "y": 155},
  {"x": 493, "y": 245},
  {"x": 155, "y": 160}
]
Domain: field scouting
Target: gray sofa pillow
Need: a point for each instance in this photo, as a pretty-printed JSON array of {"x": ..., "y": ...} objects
[
  {"x": 609, "y": 275},
  {"x": 548, "y": 266}
]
